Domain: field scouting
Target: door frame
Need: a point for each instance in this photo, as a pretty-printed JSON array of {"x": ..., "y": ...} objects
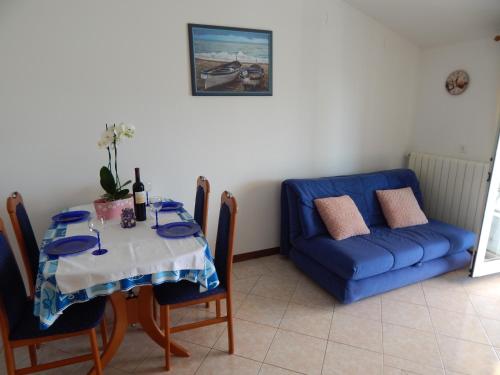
[{"x": 480, "y": 266}]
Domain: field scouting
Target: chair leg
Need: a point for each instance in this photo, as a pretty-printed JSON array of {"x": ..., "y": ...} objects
[
  {"x": 162, "y": 323},
  {"x": 33, "y": 357},
  {"x": 95, "y": 352},
  {"x": 155, "y": 312},
  {"x": 104, "y": 333},
  {"x": 229, "y": 310},
  {"x": 165, "y": 319},
  {"x": 217, "y": 308},
  {"x": 10, "y": 361}
]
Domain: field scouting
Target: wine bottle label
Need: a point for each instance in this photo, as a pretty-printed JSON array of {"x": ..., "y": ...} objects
[{"x": 140, "y": 197}]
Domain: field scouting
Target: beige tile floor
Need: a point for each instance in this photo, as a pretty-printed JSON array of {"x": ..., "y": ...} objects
[{"x": 285, "y": 324}]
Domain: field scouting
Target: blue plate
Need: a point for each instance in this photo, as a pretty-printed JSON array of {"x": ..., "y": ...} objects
[
  {"x": 171, "y": 206},
  {"x": 71, "y": 216},
  {"x": 178, "y": 229},
  {"x": 70, "y": 245}
]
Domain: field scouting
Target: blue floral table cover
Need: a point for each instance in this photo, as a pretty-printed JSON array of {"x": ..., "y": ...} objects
[{"x": 50, "y": 302}]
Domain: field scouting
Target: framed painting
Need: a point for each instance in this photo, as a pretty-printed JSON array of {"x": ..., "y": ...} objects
[{"x": 230, "y": 61}]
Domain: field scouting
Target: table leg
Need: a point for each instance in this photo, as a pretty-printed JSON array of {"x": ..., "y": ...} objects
[
  {"x": 149, "y": 325},
  {"x": 119, "y": 304}
]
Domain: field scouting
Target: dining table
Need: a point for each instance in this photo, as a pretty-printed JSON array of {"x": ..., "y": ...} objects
[{"x": 137, "y": 258}]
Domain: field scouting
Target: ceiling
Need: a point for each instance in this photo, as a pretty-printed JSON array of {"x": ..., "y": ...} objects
[{"x": 430, "y": 23}]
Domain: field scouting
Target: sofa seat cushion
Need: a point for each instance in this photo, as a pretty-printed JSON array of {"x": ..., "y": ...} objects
[
  {"x": 404, "y": 251},
  {"x": 459, "y": 239},
  {"x": 352, "y": 258},
  {"x": 386, "y": 249},
  {"x": 432, "y": 243},
  {"x": 360, "y": 257}
]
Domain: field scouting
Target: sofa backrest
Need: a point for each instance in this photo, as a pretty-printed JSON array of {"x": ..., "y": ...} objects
[{"x": 301, "y": 193}]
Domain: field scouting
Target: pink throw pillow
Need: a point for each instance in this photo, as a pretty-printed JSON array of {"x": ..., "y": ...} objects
[
  {"x": 341, "y": 217},
  {"x": 400, "y": 208}
]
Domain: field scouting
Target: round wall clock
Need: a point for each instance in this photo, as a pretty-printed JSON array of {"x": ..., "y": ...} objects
[{"x": 457, "y": 82}]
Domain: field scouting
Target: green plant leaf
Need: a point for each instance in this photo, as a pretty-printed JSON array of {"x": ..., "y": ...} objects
[
  {"x": 126, "y": 183},
  {"x": 121, "y": 194},
  {"x": 107, "y": 197},
  {"x": 108, "y": 182}
]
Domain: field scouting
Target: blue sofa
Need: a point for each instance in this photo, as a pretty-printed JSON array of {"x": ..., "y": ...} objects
[{"x": 366, "y": 265}]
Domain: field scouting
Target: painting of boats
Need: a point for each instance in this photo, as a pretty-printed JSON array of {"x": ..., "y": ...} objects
[
  {"x": 221, "y": 74},
  {"x": 252, "y": 76},
  {"x": 230, "y": 61}
]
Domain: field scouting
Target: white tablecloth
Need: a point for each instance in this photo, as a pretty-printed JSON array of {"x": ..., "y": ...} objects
[{"x": 131, "y": 252}]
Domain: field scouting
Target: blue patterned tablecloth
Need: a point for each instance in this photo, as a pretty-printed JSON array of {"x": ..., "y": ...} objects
[{"x": 50, "y": 302}]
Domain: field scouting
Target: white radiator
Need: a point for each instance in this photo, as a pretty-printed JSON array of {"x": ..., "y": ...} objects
[{"x": 454, "y": 190}]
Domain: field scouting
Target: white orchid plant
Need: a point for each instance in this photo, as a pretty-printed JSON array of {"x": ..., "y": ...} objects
[{"x": 110, "y": 139}]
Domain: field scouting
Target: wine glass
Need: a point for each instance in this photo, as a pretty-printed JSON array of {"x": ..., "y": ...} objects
[
  {"x": 156, "y": 203},
  {"x": 148, "y": 186},
  {"x": 96, "y": 225}
]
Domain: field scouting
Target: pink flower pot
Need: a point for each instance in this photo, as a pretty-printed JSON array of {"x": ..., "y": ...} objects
[{"x": 110, "y": 210}]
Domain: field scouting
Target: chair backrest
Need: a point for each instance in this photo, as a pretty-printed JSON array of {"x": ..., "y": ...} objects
[
  {"x": 12, "y": 293},
  {"x": 25, "y": 238},
  {"x": 201, "y": 202},
  {"x": 225, "y": 239}
]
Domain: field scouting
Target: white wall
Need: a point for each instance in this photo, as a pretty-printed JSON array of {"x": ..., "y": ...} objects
[
  {"x": 343, "y": 102},
  {"x": 366, "y": 94},
  {"x": 463, "y": 126}
]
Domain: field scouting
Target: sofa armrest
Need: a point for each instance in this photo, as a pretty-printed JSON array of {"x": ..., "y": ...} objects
[{"x": 290, "y": 220}]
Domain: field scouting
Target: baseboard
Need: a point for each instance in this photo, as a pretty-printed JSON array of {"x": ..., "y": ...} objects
[{"x": 256, "y": 254}]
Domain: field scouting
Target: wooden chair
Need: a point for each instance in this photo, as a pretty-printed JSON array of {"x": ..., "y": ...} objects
[
  {"x": 201, "y": 203},
  {"x": 28, "y": 247},
  {"x": 200, "y": 216},
  {"x": 184, "y": 293},
  {"x": 20, "y": 328}
]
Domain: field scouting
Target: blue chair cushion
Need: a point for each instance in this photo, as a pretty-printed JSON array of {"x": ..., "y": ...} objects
[
  {"x": 222, "y": 244},
  {"x": 199, "y": 205},
  {"x": 12, "y": 292},
  {"x": 75, "y": 318},
  {"x": 32, "y": 249},
  {"x": 385, "y": 249},
  {"x": 182, "y": 291}
]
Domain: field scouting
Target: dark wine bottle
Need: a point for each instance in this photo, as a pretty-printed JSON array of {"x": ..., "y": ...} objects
[{"x": 139, "y": 197}]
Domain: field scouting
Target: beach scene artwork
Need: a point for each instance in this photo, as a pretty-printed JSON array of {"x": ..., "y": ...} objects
[{"x": 230, "y": 61}]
